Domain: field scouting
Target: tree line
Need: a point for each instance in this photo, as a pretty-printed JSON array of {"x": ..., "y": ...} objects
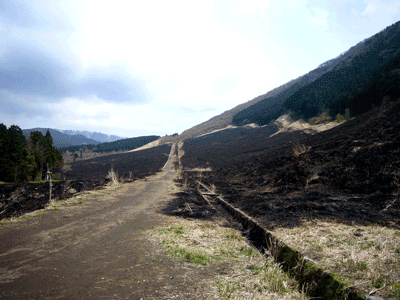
[
  {"x": 29, "y": 159},
  {"x": 120, "y": 145}
]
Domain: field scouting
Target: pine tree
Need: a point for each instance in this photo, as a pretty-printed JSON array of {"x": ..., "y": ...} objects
[
  {"x": 22, "y": 160},
  {"x": 35, "y": 145},
  {"x": 45, "y": 155},
  {"x": 347, "y": 114},
  {"x": 18, "y": 155},
  {"x": 49, "y": 153},
  {"x": 4, "y": 153}
]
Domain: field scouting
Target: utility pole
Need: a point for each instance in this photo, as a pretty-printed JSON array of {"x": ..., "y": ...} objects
[{"x": 49, "y": 177}]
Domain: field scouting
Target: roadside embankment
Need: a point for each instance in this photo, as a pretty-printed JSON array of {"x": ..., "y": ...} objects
[{"x": 16, "y": 199}]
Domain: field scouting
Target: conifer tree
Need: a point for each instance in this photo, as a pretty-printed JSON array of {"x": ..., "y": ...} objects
[
  {"x": 4, "y": 157},
  {"x": 18, "y": 155},
  {"x": 35, "y": 143},
  {"x": 23, "y": 160}
]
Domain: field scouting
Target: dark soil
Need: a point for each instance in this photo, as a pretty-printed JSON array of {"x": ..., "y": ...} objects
[{"x": 350, "y": 173}]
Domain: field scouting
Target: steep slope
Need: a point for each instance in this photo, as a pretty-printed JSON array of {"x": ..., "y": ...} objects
[
  {"x": 61, "y": 139},
  {"x": 221, "y": 121},
  {"x": 358, "y": 80},
  {"x": 254, "y": 111}
]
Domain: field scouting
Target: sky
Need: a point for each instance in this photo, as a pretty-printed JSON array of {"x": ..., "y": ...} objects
[{"x": 134, "y": 68}]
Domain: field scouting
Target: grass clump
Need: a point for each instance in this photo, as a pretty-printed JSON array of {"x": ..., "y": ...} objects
[
  {"x": 299, "y": 149},
  {"x": 55, "y": 205},
  {"x": 226, "y": 289},
  {"x": 193, "y": 256},
  {"x": 113, "y": 176}
]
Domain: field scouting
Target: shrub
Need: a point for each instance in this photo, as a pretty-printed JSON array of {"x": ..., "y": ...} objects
[
  {"x": 322, "y": 118},
  {"x": 340, "y": 118}
]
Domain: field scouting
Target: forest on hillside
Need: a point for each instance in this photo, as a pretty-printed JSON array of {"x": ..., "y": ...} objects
[
  {"x": 120, "y": 145},
  {"x": 28, "y": 159},
  {"x": 363, "y": 91},
  {"x": 364, "y": 77}
]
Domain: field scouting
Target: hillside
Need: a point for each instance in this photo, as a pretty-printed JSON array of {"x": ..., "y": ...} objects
[
  {"x": 359, "y": 156},
  {"x": 357, "y": 79},
  {"x": 61, "y": 139},
  {"x": 333, "y": 195},
  {"x": 226, "y": 118}
]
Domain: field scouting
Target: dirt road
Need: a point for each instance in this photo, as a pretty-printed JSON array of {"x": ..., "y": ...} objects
[{"x": 91, "y": 250}]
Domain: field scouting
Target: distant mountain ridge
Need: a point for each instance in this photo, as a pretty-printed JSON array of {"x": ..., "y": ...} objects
[
  {"x": 97, "y": 136},
  {"x": 61, "y": 139}
]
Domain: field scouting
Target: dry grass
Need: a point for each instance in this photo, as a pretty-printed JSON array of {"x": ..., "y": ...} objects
[
  {"x": 113, "y": 176},
  {"x": 184, "y": 180},
  {"x": 299, "y": 149},
  {"x": 367, "y": 257},
  {"x": 199, "y": 170},
  {"x": 238, "y": 270}
]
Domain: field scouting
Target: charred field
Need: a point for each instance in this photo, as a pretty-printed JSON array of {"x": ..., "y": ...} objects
[
  {"x": 84, "y": 175},
  {"x": 139, "y": 164},
  {"x": 334, "y": 196},
  {"x": 350, "y": 172}
]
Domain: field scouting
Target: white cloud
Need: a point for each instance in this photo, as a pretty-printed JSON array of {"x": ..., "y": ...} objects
[
  {"x": 319, "y": 17},
  {"x": 370, "y": 9},
  {"x": 173, "y": 42},
  {"x": 191, "y": 59},
  {"x": 250, "y": 6},
  {"x": 293, "y": 5},
  {"x": 381, "y": 9}
]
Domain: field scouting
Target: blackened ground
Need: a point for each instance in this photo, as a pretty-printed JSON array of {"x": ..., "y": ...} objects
[
  {"x": 140, "y": 164},
  {"x": 188, "y": 204},
  {"x": 350, "y": 173},
  {"x": 232, "y": 145},
  {"x": 16, "y": 199}
]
